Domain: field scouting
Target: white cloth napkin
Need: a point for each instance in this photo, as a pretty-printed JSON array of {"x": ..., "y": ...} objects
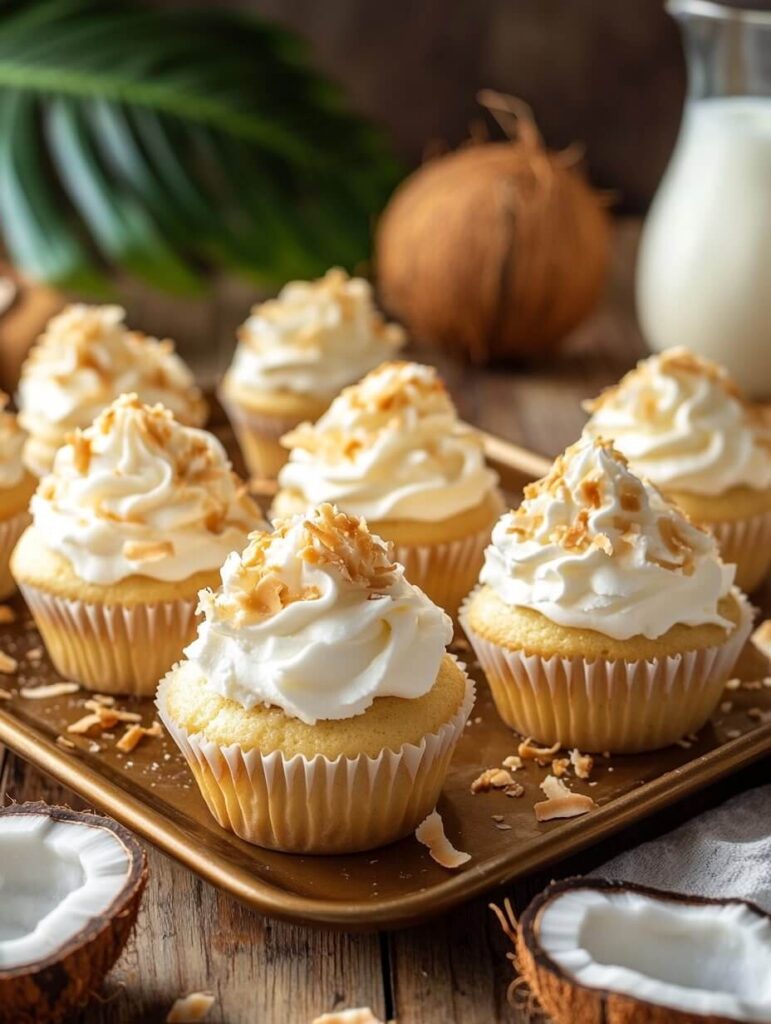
[{"x": 724, "y": 852}]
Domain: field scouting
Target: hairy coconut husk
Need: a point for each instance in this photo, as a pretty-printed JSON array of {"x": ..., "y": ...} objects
[
  {"x": 50, "y": 990},
  {"x": 565, "y": 999},
  {"x": 497, "y": 249}
]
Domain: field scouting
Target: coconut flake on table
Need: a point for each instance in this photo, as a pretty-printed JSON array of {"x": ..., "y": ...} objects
[
  {"x": 191, "y": 1008},
  {"x": 430, "y": 832}
]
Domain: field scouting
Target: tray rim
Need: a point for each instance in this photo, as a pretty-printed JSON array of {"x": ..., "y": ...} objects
[
  {"x": 394, "y": 912},
  {"x": 574, "y": 834}
]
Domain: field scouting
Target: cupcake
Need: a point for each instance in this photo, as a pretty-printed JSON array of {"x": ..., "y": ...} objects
[
  {"x": 604, "y": 618},
  {"x": 294, "y": 354},
  {"x": 137, "y": 516},
  {"x": 318, "y": 708},
  {"x": 16, "y": 488},
  {"x": 682, "y": 423},
  {"x": 87, "y": 358},
  {"x": 391, "y": 449}
]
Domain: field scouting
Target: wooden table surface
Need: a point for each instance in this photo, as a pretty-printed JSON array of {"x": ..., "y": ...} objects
[{"x": 452, "y": 970}]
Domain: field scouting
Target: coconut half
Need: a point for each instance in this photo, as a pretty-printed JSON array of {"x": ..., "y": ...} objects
[
  {"x": 70, "y": 887},
  {"x": 617, "y": 953}
]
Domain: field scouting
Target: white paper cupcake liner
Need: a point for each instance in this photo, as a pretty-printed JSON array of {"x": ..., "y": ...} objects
[
  {"x": 10, "y": 530},
  {"x": 258, "y": 437},
  {"x": 113, "y": 648},
  {"x": 317, "y": 805},
  {"x": 445, "y": 571},
  {"x": 617, "y": 706},
  {"x": 746, "y": 543}
]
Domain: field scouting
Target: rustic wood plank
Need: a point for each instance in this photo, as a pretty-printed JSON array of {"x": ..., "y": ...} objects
[{"x": 190, "y": 937}]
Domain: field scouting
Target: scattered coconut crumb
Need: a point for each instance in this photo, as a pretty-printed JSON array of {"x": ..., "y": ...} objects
[
  {"x": 752, "y": 684},
  {"x": 134, "y": 735},
  {"x": 7, "y": 615},
  {"x": 190, "y": 1008},
  {"x": 733, "y": 734},
  {"x": 513, "y": 762},
  {"x": 62, "y": 741},
  {"x": 496, "y": 778},
  {"x": 733, "y": 684},
  {"x": 5, "y": 694},
  {"x": 104, "y": 699},
  {"x": 8, "y": 665},
  {"x": 726, "y": 706},
  {"x": 360, "y": 1015},
  {"x": 766, "y": 681},
  {"x": 46, "y": 692},
  {"x": 108, "y": 712},
  {"x": 582, "y": 763},
  {"x": 84, "y": 725},
  {"x": 529, "y": 751},
  {"x": 430, "y": 833},
  {"x": 35, "y": 654},
  {"x": 684, "y": 743},
  {"x": 761, "y": 638},
  {"x": 559, "y": 766},
  {"x": 560, "y": 802},
  {"x": 502, "y": 826},
  {"x": 497, "y": 817}
]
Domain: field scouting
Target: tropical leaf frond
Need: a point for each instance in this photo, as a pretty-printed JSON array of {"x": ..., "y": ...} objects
[{"x": 164, "y": 142}]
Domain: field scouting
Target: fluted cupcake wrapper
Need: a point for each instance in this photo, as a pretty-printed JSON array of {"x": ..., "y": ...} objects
[
  {"x": 746, "y": 543},
  {"x": 258, "y": 437},
  {"x": 445, "y": 571},
  {"x": 112, "y": 648},
  {"x": 602, "y": 705},
  {"x": 10, "y": 530},
  {"x": 318, "y": 805}
]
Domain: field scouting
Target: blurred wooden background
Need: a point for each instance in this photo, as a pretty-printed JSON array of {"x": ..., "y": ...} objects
[{"x": 605, "y": 72}]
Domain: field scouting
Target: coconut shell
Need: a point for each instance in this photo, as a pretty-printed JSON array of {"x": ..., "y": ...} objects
[
  {"x": 496, "y": 250},
  {"x": 569, "y": 1002},
  {"x": 51, "y": 990}
]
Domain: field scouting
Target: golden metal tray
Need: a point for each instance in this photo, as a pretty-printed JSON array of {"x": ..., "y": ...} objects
[{"x": 151, "y": 791}]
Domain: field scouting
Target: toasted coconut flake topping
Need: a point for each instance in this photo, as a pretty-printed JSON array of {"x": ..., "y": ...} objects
[
  {"x": 134, "y": 735},
  {"x": 513, "y": 762},
  {"x": 190, "y": 1009},
  {"x": 431, "y": 834},
  {"x": 147, "y": 551},
  {"x": 560, "y": 802},
  {"x": 330, "y": 538},
  {"x": 48, "y": 691}
]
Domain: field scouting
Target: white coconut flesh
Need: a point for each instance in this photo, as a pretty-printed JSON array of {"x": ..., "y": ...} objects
[
  {"x": 698, "y": 958},
  {"x": 55, "y": 878}
]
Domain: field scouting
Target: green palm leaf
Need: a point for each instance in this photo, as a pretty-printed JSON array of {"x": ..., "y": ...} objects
[{"x": 162, "y": 143}]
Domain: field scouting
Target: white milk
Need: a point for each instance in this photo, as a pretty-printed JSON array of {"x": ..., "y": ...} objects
[{"x": 704, "y": 271}]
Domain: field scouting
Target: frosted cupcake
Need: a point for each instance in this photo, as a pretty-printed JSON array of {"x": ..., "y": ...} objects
[
  {"x": 604, "y": 619},
  {"x": 16, "y": 488},
  {"x": 392, "y": 449},
  {"x": 87, "y": 358},
  {"x": 682, "y": 423},
  {"x": 137, "y": 516},
  {"x": 294, "y": 354},
  {"x": 318, "y": 708}
]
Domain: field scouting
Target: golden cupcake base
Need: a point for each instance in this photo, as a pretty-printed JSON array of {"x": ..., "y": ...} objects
[
  {"x": 598, "y": 705},
  {"x": 747, "y": 543},
  {"x": 318, "y": 805}
]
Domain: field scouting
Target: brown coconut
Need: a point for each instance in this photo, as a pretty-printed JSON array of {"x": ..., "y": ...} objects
[
  {"x": 496, "y": 250},
  {"x": 52, "y": 989}
]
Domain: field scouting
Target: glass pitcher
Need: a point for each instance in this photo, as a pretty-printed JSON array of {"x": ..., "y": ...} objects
[{"x": 704, "y": 269}]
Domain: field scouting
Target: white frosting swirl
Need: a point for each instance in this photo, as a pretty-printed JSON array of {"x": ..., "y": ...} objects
[
  {"x": 316, "y": 620},
  {"x": 87, "y": 358},
  {"x": 140, "y": 494},
  {"x": 682, "y": 423},
  {"x": 594, "y": 547},
  {"x": 315, "y": 338},
  {"x": 390, "y": 447},
  {"x": 11, "y": 445}
]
